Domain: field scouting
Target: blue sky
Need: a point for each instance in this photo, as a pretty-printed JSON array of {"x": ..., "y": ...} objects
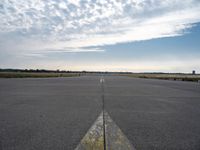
[{"x": 112, "y": 35}]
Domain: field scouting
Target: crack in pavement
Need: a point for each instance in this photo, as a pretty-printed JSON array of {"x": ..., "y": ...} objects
[{"x": 104, "y": 133}]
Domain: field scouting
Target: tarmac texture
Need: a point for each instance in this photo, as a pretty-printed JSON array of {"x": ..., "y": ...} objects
[{"x": 56, "y": 113}]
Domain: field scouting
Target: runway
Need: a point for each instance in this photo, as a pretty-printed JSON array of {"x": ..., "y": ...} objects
[{"x": 56, "y": 113}]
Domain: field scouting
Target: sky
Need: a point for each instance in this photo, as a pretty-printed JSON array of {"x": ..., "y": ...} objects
[{"x": 98, "y": 35}]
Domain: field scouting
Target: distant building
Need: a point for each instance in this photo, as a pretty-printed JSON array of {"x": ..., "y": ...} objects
[{"x": 193, "y": 72}]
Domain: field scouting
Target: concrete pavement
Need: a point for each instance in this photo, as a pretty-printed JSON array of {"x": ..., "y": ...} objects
[
  {"x": 56, "y": 113},
  {"x": 47, "y": 114},
  {"x": 155, "y": 114}
]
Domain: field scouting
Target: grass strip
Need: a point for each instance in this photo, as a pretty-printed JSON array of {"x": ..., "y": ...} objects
[
  {"x": 179, "y": 77},
  {"x": 35, "y": 75}
]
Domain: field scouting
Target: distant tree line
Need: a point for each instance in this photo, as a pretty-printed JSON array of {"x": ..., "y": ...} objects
[
  {"x": 60, "y": 71},
  {"x": 82, "y": 72},
  {"x": 37, "y": 70}
]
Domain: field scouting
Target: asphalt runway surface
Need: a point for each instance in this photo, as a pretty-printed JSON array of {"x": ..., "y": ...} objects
[{"x": 56, "y": 113}]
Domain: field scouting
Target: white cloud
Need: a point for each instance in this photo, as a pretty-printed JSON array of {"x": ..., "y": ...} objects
[
  {"x": 183, "y": 65},
  {"x": 72, "y": 25}
]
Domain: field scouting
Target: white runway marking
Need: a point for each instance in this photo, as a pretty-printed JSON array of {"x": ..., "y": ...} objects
[
  {"x": 94, "y": 138},
  {"x": 102, "y": 80},
  {"x": 115, "y": 138}
]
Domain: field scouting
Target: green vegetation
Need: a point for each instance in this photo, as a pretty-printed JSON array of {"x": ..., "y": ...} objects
[
  {"x": 166, "y": 76},
  {"x": 20, "y": 73},
  {"x": 35, "y": 74}
]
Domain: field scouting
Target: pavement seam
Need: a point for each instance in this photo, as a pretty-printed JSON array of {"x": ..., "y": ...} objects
[
  {"x": 103, "y": 109},
  {"x": 104, "y": 133}
]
